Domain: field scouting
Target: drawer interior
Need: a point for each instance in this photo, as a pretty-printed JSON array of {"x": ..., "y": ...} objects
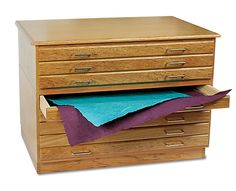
[{"x": 50, "y": 112}]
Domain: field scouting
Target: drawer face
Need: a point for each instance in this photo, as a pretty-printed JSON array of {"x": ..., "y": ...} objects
[
  {"x": 123, "y": 50},
  {"x": 180, "y": 118},
  {"x": 56, "y": 126},
  {"x": 112, "y": 149},
  {"x": 125, "y": 78},
  {"x": 124, "y": 159},
  {"x": 125, "y": 64},
  {"x": 133, "y": 134}
]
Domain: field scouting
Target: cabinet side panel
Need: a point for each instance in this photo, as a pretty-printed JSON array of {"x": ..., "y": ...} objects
[
  {"x": 27, "y": 58},
  {"x": 27, "y": 73},
  {"x": 212, "y": 78}
]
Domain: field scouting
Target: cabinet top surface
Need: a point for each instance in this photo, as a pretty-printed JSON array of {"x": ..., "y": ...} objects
[{"x": 99, "y": 30}]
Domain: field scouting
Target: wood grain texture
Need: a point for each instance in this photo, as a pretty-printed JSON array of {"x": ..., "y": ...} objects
[
  {"x": 125, "y": 64},
  {"x": 57, "y": 127},
  {"x": 43, "y": 105},
  {"x": 180, "y": 118},
  {"x": 74, "y": 31},
  {"x": 207, "y": 90},
  {"x": 127, "y": 159},
  {"x": 124, "y": 78},
  {"x": 53, "y": 154},
  {"x": 122, "y": 50},
  {"x": 124, "y": 87},
  {"x": 133, "y": 134}
]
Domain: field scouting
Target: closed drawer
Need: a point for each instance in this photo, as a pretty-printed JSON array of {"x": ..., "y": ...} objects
[
  {"x": 124, "y": 78},
  {"x": 180, "y": 118},
  {"x": 125, "y": 64},
  {"x": 52, "y": 113},
  {"x": 124, "y": 159},
  {"x": 112, "y": 149},
  {"x": 133, "y": 134},
  {"x": 122, "y": 50},
  {"x": 56, "y": 126}
]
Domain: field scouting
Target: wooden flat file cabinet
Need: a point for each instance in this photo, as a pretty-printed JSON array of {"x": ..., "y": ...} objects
[{"x": 114, "y": 54}]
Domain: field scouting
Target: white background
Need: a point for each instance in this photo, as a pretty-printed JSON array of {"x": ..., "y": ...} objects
[{"x": 217, "y": 171}]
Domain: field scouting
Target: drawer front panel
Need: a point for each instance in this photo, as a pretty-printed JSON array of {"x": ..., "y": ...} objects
[
  {"x": 123, "y": 78},
  {"x": 125, "y": 64},
  {"x": 120, "y": 87},
  {"x": 180, "y": 118},
  {"x": 78, "y": 52},
  {"x": 125, "y": 159},
  {"x": 56, "y": 126},
  {"x": 111, "y": 149},
  {"x": 133, "y": 134}
]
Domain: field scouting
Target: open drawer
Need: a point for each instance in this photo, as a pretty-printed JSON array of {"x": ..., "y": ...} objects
[{"x": 51, "y": 113}]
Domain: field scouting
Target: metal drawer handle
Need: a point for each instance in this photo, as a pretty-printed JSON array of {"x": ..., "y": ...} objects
[
  {"x": 175, "y": 63},
  {"x": 175, "y": 119},
  {"x": 195, "y": 107},
  {"x": 81, "y": 153},
  {"x": 176, "y": 49},
  {"x": 83, "y": 83},
  {"x": 82, "y": 69},
  {"x": 174, "y": 131},
  {"x": 174, "y": 143},
  {"x": 84, "y": 55},
  {"x": 176, "y": 77}
]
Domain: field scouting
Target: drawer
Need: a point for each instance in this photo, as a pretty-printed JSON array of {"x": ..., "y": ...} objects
[
  {"x": 180, "y": 118},
  {"x": 122, "y": 50},
  {"x": 52, "y": 113},
  {"x": 124, "y": 159},
  {"x": 133, "y": 134},
  {"x": 125, "y": 64},
  {"x": 125, "y": 78},
  {"x": 56, "y": 126},
  {"x": 111, "y": 149}
]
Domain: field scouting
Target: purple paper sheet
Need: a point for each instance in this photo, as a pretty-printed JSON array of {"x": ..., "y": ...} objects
[{"x": 79, "y": 130}]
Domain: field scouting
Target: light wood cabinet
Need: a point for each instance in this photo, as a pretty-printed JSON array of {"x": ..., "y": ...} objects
[{"x": 114, "y": 54}]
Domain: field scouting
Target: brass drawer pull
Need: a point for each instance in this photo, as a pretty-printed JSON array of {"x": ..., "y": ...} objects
[
  {"x": 175, "y": 119},
  {"x": 174, "y": 143},
  {"x": 82, "y": 69},
  {"x": 83, "y": 83},
  {"x": 176, "y": 49},
  {"x": 84, "y": 55},
  {"x": 85, "y": 153},
  {"x": 175, "y": 63},
  {"x": 195, "y": 107},
  {"x": 176, "y": 77},
  {"x": 174, "y": 131}
]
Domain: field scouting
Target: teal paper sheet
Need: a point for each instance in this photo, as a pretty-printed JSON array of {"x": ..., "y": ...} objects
[{"x": 102, "y": 108}]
